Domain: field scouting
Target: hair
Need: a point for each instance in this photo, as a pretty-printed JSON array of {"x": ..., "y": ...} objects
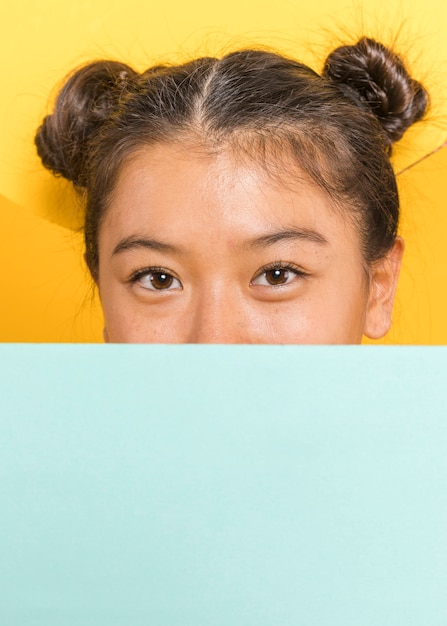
[{"x": 339, "y": 126}]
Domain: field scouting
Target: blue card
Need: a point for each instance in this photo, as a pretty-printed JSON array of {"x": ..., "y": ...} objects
[{"x": 223, "y": 486}]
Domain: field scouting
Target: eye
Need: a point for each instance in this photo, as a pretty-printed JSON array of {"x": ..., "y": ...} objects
[
  {"x": 156, "y": 279},
  {"x": 277, "y": 275}
]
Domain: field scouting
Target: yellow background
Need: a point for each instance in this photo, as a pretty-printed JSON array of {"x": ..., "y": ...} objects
[{"x": 46, "y": 294}]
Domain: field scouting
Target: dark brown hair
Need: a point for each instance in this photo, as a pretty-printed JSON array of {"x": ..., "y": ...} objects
[{"x": 339, "y": 126}]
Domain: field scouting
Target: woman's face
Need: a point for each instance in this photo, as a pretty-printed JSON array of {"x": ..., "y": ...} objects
[{"x": 199, "y": 248}]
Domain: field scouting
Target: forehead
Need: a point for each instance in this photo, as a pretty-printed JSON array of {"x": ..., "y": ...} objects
[{"x": 181, "y": 191}]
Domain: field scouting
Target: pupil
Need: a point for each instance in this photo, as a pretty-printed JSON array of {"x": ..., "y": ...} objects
[{"x": 160, "y": 280}]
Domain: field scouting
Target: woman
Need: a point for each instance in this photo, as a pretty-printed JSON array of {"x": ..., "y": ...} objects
[{"x": 239, "y": 200}]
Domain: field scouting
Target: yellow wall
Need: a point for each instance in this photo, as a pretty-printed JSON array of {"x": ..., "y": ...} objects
[{"x": 45, "y": 291}]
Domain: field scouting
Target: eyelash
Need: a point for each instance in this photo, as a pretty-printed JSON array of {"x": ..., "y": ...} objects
[
  {"x": 280, "y": 265},
  {"x": 146, "y": 271},
  {"x": 276, "y": 265}
]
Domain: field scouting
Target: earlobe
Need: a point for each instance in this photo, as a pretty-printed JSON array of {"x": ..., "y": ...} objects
[{"x": 382, "y": 290}]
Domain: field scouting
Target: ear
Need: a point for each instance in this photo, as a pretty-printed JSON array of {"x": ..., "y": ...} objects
[{"x": 382, "y": 290}]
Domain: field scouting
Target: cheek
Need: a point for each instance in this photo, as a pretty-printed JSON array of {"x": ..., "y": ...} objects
[
  {"x": 334, "y": 313},
  {"x": 124, "y": 325},
  {"x": 349, "y": 302},
  {"x": 119, "y": 318},
  {"x": 127, "y": 320},
  {"x": 320, "y": 318}
]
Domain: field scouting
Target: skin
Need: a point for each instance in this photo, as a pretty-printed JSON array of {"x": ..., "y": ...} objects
[{"x": 204, "y": 248}]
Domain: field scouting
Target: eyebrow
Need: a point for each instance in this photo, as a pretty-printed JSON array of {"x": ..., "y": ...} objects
[
  {"x": 302, "y": 234},
  {"x": 133, "y": 243}
]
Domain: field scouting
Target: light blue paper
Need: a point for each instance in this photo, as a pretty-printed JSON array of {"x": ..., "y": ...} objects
[{"x": 223, "y": 486}]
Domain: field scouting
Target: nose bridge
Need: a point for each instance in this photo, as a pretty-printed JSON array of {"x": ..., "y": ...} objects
[{"x": 218, "y": 318}]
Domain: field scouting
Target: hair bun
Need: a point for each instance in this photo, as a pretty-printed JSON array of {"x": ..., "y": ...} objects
[
  {"x": 376, "y": 79},
  {"x": 87, "y": 99}
]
